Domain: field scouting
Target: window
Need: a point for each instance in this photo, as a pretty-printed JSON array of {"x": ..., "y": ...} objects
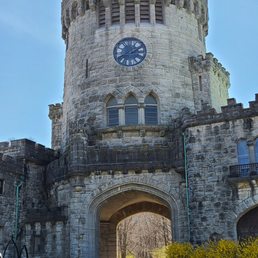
[
  {"x": 131, "y": 111},
  {"x": 129, "y": 11},
  {"x": 159, "y": 11},
  {"x": 151, "y": 110},
  {"x": 1, "y": 186},
  {"x": 115, "y": 14},
  {"x": 101, "y": 14},
  {"x": 144, "y": 10},
  {"x": 256, "y": 150},
  {"x": 243, "y": 157},
  {"x": 112, "y": 112},
  {"x": 74, "y": 10}
]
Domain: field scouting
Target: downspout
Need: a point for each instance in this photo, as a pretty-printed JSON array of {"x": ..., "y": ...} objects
[
  {"x": 17, "y": 202},
  {"x": 17, "y": 209},
  {"x": 186, "y": 187}
]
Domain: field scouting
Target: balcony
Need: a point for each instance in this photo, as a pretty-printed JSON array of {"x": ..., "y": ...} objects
[{"x": 245, "y": 171}]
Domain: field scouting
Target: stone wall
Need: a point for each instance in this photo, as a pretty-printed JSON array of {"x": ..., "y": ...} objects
[{"x": 217, "y": 202}]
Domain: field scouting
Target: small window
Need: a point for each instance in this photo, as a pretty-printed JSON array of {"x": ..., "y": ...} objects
[
  {"x": 145, "y": 10},
  {"x": 112, "y": 112},
  {"x": 151, "y": 110},
  {"x": 1, "y": 186},
  {"x": 243, "y": 154},
  {"x": 74, "y": 10},
  {"x": 129, "y": 11},
  {"x": 159, "y": 11},
  {"x": 37, "y": 244},
  {"x": 243, "y": 158},
  {"x": 101, "y": 14},
  {"x": 256, "y": 150},
  {"x": 131, "y": 111}
]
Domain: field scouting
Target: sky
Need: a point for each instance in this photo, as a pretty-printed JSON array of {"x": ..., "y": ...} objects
[{"x": 32, "y": 60}]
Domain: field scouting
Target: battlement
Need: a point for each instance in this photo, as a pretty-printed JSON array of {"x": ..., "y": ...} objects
[
  {"x": 230, "y": 112},
  {"x": 55, "y": 111},
  {"x": 71, "y": 9},
  {"x": 200, "y": 64},
  {"x": 27, "y": 149}
]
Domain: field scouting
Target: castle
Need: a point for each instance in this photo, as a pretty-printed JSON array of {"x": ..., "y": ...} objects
[{"x": 145, "y": 125}]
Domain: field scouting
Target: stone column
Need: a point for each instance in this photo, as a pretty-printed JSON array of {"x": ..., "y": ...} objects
[
  {"x": 137, "y": 13},
  {"x": 152, "y": 12},
  {"x": 108, "y": 240}
]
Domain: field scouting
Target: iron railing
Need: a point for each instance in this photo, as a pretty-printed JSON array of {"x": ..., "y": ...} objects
[{"x": 246, "y": 170}]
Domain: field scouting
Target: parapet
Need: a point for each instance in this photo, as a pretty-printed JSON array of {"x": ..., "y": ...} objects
[
  {"x": 55, "y": 111},
  {"x": 27, "y": 149},
  {"x": 231, "y": 111},
  {"x": 10, "y": 164},
  {"x": 208, "y": 63},
  {"x": 71, "y": 9}
]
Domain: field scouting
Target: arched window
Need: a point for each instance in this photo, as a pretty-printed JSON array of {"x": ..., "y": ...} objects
[
  {"x": 129, "y": 11},
  {"x": 131, "y": 111},
  {"x": 242, "y": 151},
  {"x": 144, "y": 10},
  {"x": 101, "y": 13},
  {"x": 115, "y": 13},
  {"x": 256, "y": 150},
  {"x": 159, "y": 11},
  {"x": 151, "y": 110},
  {"x": 112, "y": 112}
]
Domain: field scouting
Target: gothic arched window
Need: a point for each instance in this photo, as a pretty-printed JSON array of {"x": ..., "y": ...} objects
[
  {"x": 131, "y": 110},
  {"x": 159, "y": 11},
  {"x": 150, "y": 110},
  {"x": 112, "y": 112},
  {"x": 256, "y": 150},
  {"x": 144, "y": 10}
]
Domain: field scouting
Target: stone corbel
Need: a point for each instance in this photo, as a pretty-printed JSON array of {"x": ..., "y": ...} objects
[
  {"x": 121, "y": 2},
  {"x": 167, "y": 2},
  {"x": 152, "y": 1}
]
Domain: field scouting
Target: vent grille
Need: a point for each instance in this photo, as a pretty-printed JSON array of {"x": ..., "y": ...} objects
[
  {"x": 145, "y": 11},
  {"x": 129, "y": 11}
]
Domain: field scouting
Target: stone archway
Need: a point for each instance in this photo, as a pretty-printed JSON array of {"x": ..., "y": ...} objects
[
  {"x": 247, "y": 225},
  {"x": 115, "y": 205}
]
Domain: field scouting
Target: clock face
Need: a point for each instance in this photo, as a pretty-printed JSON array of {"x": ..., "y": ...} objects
[{"x": 129, "y": 51}]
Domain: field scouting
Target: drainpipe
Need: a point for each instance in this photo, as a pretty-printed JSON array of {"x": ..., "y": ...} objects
[
  {"x": 17, "y": 209},
  {"x": 186, "y": 187}
]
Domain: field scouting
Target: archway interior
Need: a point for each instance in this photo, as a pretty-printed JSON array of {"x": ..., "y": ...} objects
[
  {"x": 143, "y": 235},
  {"x": 117, "y": 208},
  {"x": 247, "y": 225}
]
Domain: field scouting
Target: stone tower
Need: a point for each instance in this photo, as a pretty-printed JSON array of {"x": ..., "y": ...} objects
[{"x": 133, "y": 71}]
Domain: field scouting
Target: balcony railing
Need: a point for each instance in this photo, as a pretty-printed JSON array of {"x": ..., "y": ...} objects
[{"x": 246, "y": 170}]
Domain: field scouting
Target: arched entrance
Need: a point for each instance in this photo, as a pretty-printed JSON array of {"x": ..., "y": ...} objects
[
  {"x": 122, "y": 205},
  {"x": 247, "y": 225}
]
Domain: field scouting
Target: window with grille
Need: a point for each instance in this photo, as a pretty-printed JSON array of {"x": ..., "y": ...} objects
[
  {"x": 101, "y": 14},
  {"x": 144, "y": 10},
  {"x": 159, "y": 11},
  {"x": 129, "y": 11},
  {"x": 1, "y": 186},
  {"x": 112, "y": 112},
  {"x": 115, "y": 13},
  {"x": 150, "y": 110},
  {"x": 243, "y": 157},
  {"x": 131, "y": 111}
]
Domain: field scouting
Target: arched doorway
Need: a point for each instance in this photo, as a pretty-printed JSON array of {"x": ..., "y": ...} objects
[
  {"x": 120, "y": 206},
  {"x": 247, "y": 225}
]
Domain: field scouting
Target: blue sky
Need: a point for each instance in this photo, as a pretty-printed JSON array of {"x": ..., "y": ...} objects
[{"x": 32, "y": 60}]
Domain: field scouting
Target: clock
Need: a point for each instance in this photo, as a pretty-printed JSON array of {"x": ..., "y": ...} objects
[{"x": 129, "y": 51}]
